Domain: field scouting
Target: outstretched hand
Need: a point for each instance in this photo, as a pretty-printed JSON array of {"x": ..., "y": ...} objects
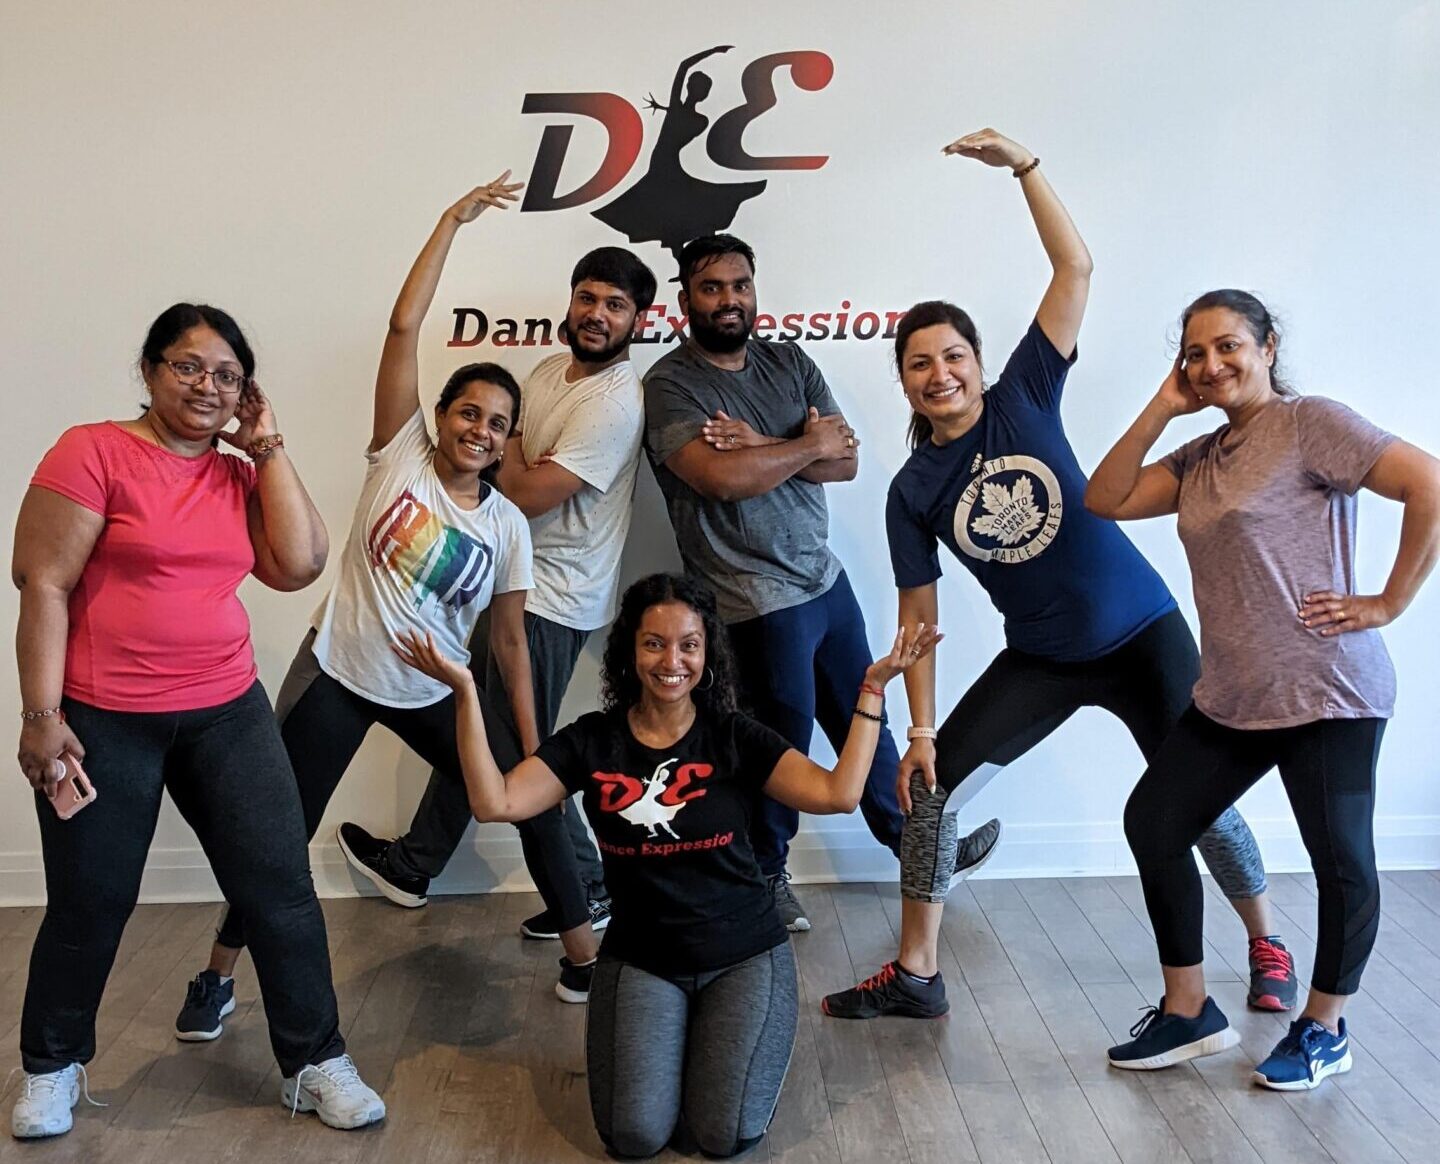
[
  {"x": 992, "y": 148},
  {"x": 911, "y": 645},
  {"x": 497, "y": 193},
  {"x": 419, "y": 651}
]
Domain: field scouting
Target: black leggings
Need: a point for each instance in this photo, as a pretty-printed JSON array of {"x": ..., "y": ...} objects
[
  {"x": 1328, "y": 768},
  {"x": 1021, "y": 699},
  {"x": 227, "y": 773},
  {"x": 323, "y": 724}
]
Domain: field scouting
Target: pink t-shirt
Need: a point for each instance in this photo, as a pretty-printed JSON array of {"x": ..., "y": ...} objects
[{"x": 155, "y": 623}]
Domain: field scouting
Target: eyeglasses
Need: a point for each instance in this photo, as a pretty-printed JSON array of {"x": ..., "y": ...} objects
[{"x": 192, "y": 375}]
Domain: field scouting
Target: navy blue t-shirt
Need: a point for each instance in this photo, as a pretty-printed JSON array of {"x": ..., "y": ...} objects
[{"x": 1008, "y": 498}]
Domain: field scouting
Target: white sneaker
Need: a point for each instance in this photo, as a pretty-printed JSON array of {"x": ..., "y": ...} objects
[
  {"x": 334, "y": 1091},
  {"x": 43, "y": 1105}
]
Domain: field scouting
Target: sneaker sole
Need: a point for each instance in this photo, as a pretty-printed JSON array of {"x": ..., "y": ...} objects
[
  {"x": 536, "y": 936},
  {"x": 801, "y": 925},
  {"x": 1269, "y": 1002},
  {"x": 303, "y": 1103},
  {"x": 565, "y": 994},
  {"x": 1339, "y": 1067},
  {"x": 1209, "y": 1045},
  {"x": 206, "y": 1036},
  {"x": 872, "y": 1012},
  {"x": 961, "y": 874},
  {"x": 398, "y": 896}
]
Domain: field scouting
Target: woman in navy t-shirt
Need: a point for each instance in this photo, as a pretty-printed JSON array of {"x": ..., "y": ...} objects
[
  {"x": 693, "y": 1001},
  {"x": 1088, "y": 622}
]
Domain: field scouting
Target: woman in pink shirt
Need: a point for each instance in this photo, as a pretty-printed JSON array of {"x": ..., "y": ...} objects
[{"x": 135, "y": 658}]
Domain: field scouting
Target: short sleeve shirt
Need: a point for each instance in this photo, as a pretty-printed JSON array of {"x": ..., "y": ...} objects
[
  {"x": 1008, "y": 500},
  {"x": 592, "y": 428},
  {"x": 673, "y": 828},
  {"x": 764, "y": 553},
  {"x": 414, "y": 560},
  {"x": 1268, "y": 516},
  {"x": 155, "y": 621}
]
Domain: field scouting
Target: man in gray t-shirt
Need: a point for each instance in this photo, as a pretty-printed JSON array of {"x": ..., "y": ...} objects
[{"x": 744, "y": 435}]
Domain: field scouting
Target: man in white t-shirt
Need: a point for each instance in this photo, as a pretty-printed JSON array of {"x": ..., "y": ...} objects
[{"x": 570, "y": 467}]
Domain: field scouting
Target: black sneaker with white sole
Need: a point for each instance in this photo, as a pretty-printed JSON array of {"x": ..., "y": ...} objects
[
  {"x": 787, "y": 905},
  {"x": 541, "y": 926},
  {"x": 208, "y": 999},
  {"x": 975, "y": 850},
  {"x": 574, "y": 983},
  {"x": 366, "y": 855}
]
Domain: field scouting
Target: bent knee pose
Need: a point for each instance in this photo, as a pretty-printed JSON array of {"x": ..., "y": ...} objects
[
  {"x": 571, "y": 468},
  {"x": 744, "y": 434},
  {"x": 1293, "y": 672},
  {"x": 136, "y": 661},
  {"x": 1088, "y": 622},
  {"x": 432, "y": 544},
  {"x": 693, "y": 1007}
]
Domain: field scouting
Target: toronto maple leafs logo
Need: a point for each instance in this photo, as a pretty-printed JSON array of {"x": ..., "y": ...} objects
[{"x": 1010, "y": 512}]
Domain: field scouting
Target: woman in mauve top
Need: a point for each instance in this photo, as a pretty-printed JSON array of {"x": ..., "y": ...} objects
[
  {"x": 135, "y": 659},
  {"x": 1293, "y": 673}
]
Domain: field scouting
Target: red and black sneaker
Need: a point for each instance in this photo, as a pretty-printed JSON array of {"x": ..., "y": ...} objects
[
  {"x": 889, "y": 991},
  {"x": 1272, "y": 975}
]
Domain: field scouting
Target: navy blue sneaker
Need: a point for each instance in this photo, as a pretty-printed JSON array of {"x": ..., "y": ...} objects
[
  {"x": 207, "y": 1001},
  {"x": 1162, "y": 1040},
  {"x": 1304, "y": 1057}
]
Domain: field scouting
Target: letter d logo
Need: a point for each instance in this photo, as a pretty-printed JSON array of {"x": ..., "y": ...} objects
[{"x": 622, "y": 125}]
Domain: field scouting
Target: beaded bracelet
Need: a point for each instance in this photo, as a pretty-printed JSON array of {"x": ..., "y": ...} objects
[
  {"x": 43, "y": 713},
  {"x": 869, "y": 715},
  {"x": 1022, "y": 172}
]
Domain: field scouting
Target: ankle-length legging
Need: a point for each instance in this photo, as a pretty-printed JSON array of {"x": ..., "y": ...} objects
[
  {"x": 227, "y": 772},
  {"x": 713, "y": 1047},
  {"x": 323, "y": 725},
  {"x": 1328, "y": 768},
  {"x": 1021, "y": 699}
]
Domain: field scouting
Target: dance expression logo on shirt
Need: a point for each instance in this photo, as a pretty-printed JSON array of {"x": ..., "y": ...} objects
[
  {"x": 433, "y": 559},
  {"x": 669, "y": 205},
  {"x": 1010, "y": 512},
  {"x": 651, "y": 803}
]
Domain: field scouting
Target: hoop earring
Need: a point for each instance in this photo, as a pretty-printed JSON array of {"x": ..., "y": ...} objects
[{"x": 702, "y": 685}]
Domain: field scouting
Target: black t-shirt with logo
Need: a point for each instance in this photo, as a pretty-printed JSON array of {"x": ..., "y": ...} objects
[{"x": 673, "y": 826}]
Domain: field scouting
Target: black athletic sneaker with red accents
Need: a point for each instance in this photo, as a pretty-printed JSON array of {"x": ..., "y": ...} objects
[
  {"x": 1272, "y": 975},
  {"x": 889, "y": 991}
]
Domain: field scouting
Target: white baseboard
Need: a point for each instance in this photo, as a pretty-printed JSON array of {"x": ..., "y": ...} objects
[{"x": 840, "y": 852}]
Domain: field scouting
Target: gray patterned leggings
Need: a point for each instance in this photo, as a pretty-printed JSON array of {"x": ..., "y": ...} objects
[
  {"x": 1021, "y": 699},
  {"x": 713, "y": 1047}
]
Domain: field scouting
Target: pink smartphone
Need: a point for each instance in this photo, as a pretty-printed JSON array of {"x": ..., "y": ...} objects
[{"x": 74, "y": 791}]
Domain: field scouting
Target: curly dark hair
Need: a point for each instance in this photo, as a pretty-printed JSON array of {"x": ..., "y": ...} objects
[{"x": 620, "y": 685}]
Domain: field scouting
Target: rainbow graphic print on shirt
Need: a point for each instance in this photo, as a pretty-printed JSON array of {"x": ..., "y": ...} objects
[{"x": 432, "y": 559}]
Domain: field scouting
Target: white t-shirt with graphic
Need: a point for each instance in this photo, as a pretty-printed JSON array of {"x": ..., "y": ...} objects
[
  {"x": 414, "y": 560},
  {"x": 594, "y": 426}
]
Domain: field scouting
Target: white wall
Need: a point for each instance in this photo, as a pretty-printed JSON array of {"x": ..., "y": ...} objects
[{"x": 285, "y": 160}]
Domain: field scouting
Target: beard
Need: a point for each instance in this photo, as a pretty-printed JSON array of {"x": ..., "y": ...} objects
[
  {"x": 593, "y": 355},
  {"x": 721, "y": 340}
]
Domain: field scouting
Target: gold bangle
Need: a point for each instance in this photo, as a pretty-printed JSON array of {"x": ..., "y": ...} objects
[
  {"x": 43, "y": 713},
  {"x": 262, "y": 447}
]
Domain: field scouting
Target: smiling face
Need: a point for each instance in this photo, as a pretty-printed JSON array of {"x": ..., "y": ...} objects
[
  {"x": 669, "y": 652},
  {"x": 471, "y": 433},
  {"x": 600, "y": 321},
  {"x": 720, "y": 302},
  {"x": 941, "y": 375},
  {"x": 193, "y": 412},
  {"x": 1224, "y": 363}
]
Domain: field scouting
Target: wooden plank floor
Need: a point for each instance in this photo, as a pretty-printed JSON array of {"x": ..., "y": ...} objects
[{"x": 453, "y": 1017}]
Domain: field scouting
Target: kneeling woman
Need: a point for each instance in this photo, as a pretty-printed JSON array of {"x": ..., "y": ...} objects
[{"x": 693, "y": 1005}]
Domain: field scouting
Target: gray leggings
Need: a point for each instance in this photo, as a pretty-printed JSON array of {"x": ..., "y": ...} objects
[
  {"x": 1021, "y": 699},
  {"x": 713, "y": 1047}
]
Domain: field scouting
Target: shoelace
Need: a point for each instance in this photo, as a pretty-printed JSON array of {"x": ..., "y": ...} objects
[
  {"x": 1303, "y": 1040},
  {"x": 343, "y": 1075},
  {"x": 885, "y": 974},
  {"x": 50, "y": 1081},
  {"x": 199, "y": 991},
  {"x": 1146, "y": 1021},
  {"x": 1272, "y": 961}
]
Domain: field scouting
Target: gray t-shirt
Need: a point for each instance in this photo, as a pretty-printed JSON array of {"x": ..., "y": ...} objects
[
  {"x": 1267, "y": 518},
  {"x": 765, "y": 553}
]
